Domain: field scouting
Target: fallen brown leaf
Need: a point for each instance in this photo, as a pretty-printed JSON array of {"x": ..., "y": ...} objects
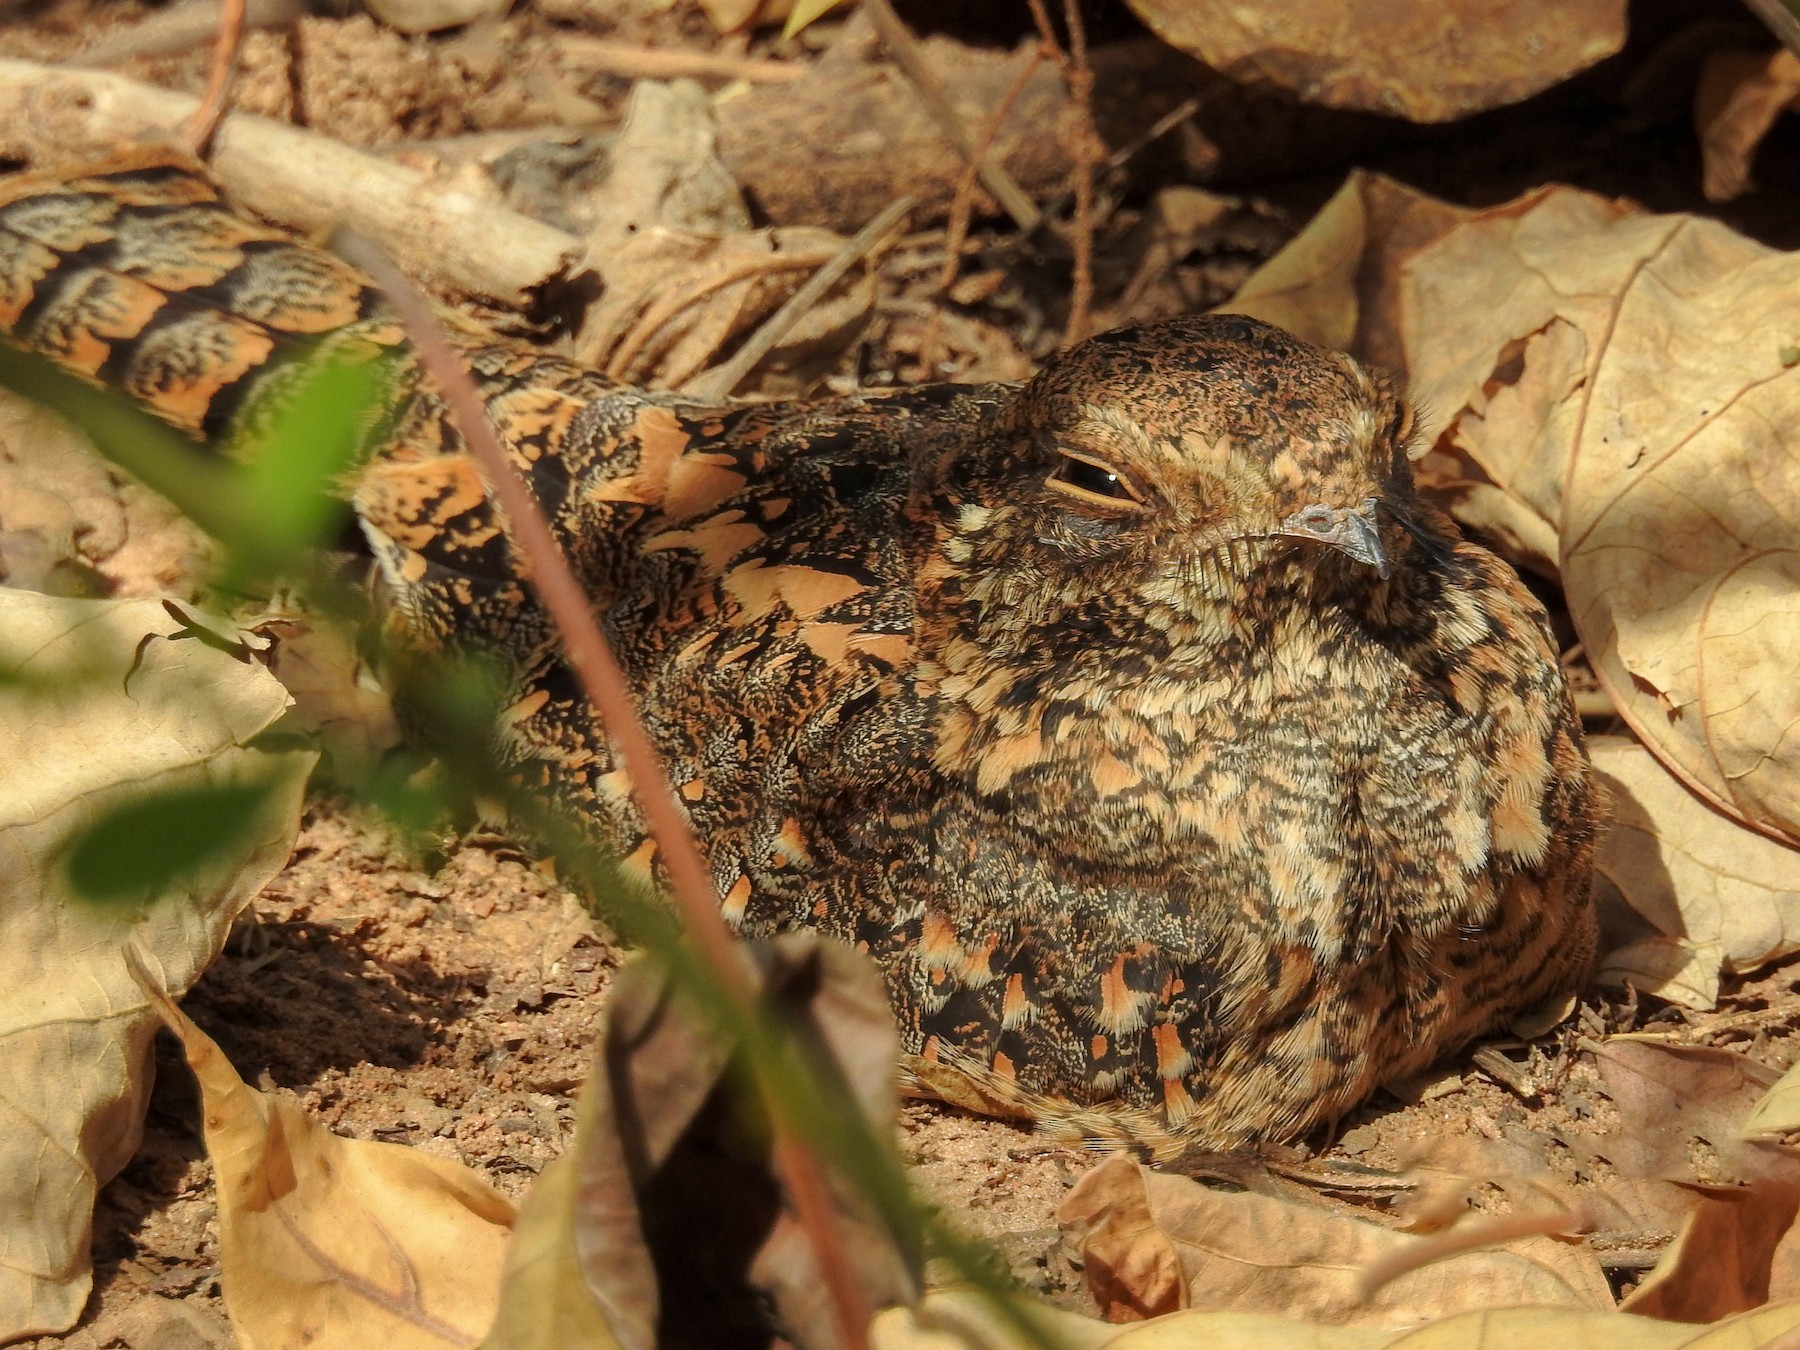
[
  {"x": 1337, "y": 281},
  {"x": 1622, "y": 374},
  {"x": 116, "y": 705},
  {"x": 664, "y": 1224},
  {"x": 341, "y": 1242},
  {"x": 1721, "y": 1261},
  {"x": 1151, "y": 1242},
  {"x": 1406, "y": 58},
  {"x": 336, "y": 695},
  {"x": 1685, "y": 892},
  {"x": 70, "y": 523},
  {"x": 1739, "y": 97},
  {"x": 1769, "y": 1328}
]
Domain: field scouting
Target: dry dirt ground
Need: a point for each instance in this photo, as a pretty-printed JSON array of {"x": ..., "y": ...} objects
[{"x": 450, "y": 1003}]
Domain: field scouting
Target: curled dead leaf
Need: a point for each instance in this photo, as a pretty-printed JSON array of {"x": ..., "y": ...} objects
[
  {"x": 1490, "y": 1329},
  {"x": 107, "y": 702},
  {"x": 1406, "y": 58},
  {"x": 1686, "y": 892},
  {"x": 1337, "y": 281},
  {"x": 1739, "y": 97},
  {"x": 71, "y": 524},
  {"x": 331, "y": 1241},
  {"x": 1621, "y": 375}
]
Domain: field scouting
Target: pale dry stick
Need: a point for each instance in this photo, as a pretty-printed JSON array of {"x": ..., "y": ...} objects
[
  {"x": 1079, "y": 75},
  {"x": 717, "y": 383},
  {"x": 690, "y": 881},
  {"x": 1466, "y": 1237},
  {"x": 229, "y": 42},
  {"x": 301, "y": 179},
  {"x": 649, "y": 63},
  {"x": 962, "y": 205},
  {"x": 904, "y": 48}
]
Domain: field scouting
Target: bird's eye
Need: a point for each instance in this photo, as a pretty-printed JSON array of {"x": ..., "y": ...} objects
[{"x": 1088, "y": 483}]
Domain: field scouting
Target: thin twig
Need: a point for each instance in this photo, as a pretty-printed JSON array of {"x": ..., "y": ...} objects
[
  {"x": 198, "y": 133},
  {"x": 653, "y": 63},
  {"x": 302, "y": 179},
  {"x": 962, "y": 205},
  {"x": 1467, "y": 1236},
  {"x": 1780, "y": 19},
  {"x": 904, "y": 48},
  {"x": 719, "y": 382},
  {"x": 1079, "y": 75},
  {"x": 690, "y": 880}
]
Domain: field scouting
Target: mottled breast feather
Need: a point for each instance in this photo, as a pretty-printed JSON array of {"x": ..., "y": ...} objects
[{"x": 1183, "y": 770}]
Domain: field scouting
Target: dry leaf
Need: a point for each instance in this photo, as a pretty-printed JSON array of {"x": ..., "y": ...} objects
[
  {"x": 1337, "y": 281},
  {"x": 731, "y": 16},
  {"x": 430, "y": 16},
  {"x": 686, "y": 277},
  {"x": 1720, "y": 1262},
  {"x": 1777, "y": 1112},
  {"x": 1250, "y": 1252},
  {"x": 74, "y": 1030},
  {"x": 336, "y": 695},
  {"x": 1490, "y": 1329},
  {"x": 1672, "y": 1095},
  {"x": 665, "y": 1223},
  {"x": 960, "y": 1319},
  {"x": 1428, "y": 62},
  {"x": 1739, "y": 97},
  {"x": 72, "y": 524},
  {"x": 1623, "y": 374},
  {"x": 1685, "y": 892},
  {"x": 327, "y": 1241}
]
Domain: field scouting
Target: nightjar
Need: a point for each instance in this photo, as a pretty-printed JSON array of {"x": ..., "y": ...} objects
[{"x": 1179, "y": 765}]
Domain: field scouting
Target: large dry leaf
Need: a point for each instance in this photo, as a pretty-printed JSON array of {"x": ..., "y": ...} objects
[
  {"x": 1153, "y": 1243},
  {"x": 1768, "y": 1328},
  {"x": 1336, "y": 283},
  {"x": 327, "y": 1241},
  {"x": 153, "y": 712},
  {"x": 665, "y": 1223},
  {"x": 1740, "y": 96},
  {"x": 1425, "y": 60},
  {"x": 960, "y": 1319},
  {"x": 1684, "y": 891},
  {"x": 1624, "y": 374},
  {"x": 71, "y": 523},
  {"x": 1722, "y": 1260},
  {"x": 1671, "y": 1095},
  {"x": 953, "y": 1322}
]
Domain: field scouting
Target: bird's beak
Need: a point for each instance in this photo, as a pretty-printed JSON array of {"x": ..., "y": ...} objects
[{"x": 1352, "y": 530}]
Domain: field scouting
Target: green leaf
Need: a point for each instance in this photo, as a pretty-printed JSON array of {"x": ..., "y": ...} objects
[
  {"x": 294, "y": 460},
  {"x": 140, "y": 847}
]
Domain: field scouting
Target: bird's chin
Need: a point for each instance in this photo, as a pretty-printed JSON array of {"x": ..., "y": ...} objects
[{"x": 1224, "y": 568}]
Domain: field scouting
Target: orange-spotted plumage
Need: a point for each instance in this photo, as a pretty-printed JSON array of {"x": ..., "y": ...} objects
[{"x": 1172, "y": 758}]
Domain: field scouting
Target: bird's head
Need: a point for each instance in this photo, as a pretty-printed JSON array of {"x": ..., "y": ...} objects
[{"x": 1177, "y": 466}]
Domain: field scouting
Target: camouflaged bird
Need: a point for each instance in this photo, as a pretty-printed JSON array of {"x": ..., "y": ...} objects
[{"x": 1176, "y": 762}]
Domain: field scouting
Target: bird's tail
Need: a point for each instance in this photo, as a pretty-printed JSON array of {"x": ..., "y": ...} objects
[{"x": 137, "y": 275}]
